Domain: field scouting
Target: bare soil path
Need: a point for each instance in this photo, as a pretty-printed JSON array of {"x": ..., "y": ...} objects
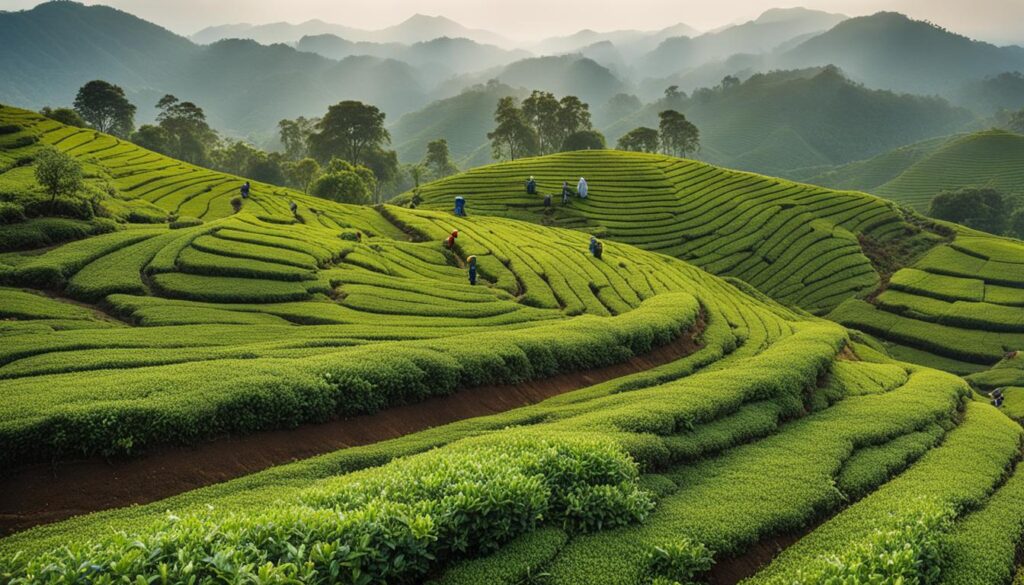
[{"x": 44, "y": 493}]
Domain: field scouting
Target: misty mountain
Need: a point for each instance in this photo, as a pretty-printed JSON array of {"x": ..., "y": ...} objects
[
  {"x": 788, "y": 121},
  {"x": 762, "y": 35},
  {"x": 55, "y": 48},
  {"x": 564, "y": 75},
  {"x": 632, "y": 43},
  {"x": 445, "y": 56},
  {"x": 417, "y": 28},
  {"x": 244, "y": 87},
  {"x": 464, "y": 120},
  {"x": 247, "y": 87},
  {"x": 890, "y": 51}
]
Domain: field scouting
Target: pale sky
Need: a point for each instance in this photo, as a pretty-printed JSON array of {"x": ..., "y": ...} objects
[{"x": 1000, "y": 21}]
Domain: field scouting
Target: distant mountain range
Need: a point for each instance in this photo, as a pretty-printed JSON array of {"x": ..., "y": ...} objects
[
  {"x": 416, "y": 29},
  {"x": 421, "y": 68}
]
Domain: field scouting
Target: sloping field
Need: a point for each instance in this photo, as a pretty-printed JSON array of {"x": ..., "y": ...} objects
[
  {"x": 777, "y": 424},
  {"x": 913, "y": 175},
  {"x": 986, "y": 159},
  {"x": 959, "y": 308},
  {"x": 797, "y": 243}
]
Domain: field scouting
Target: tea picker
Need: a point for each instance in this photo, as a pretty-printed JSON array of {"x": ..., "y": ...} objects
[
  {"x": 245, "y": 190},
  {"x": 471, "y": 261},
  {"x": 531, "y": 186},
  {"x": 460, "y": 206}
]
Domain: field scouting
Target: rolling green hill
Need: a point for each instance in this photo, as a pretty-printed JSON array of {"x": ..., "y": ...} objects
[
  {"x": 154, "y": 335},
  {"x": 913, "y": 175},
  {"x": 801, "y": 245}
]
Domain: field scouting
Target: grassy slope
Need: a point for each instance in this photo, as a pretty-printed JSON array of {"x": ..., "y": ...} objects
[
  {"x": 298, "y": 302},
  {"x": 912, "y": 175},
  {"x": 797, "y": 243}
]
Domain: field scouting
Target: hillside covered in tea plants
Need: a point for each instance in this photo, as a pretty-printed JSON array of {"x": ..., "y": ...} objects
[
  {"x": 771, "y": 428},
  {"x": 863, "y": 261}
]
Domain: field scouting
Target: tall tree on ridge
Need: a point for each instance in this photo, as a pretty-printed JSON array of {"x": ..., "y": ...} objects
[
  {"x": 349, "y": 131},
  {"x": 295, "y": 136},
  {"x": 513, "y": 137},
  {"x": 104, "y": 106},
  {"x": 679, "y": 136},
  {"x": 438, "y": 159}
]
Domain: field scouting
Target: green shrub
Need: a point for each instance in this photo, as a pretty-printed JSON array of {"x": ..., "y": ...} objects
[
  {"x": 185, "y": 222},
  {"x": 680, "y": 561},
  {"x": 396, "y": 523},
  {"x": 11, "y": 212},
  {"x": 909, "y": 550}
]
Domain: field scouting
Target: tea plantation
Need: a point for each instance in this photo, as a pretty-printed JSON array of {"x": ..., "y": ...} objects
[
  {"x": 777, "y": 424},
  {"x": 802, "y": 245}
]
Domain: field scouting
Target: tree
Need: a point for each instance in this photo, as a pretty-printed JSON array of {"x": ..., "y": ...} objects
[
  {"x": 190, "y": 137},
  {"x": 640, "y": 139},
  {"x": 984, "y": 209},
  {"x": 679, "y": 136},
  {"x": 58, "y": 173},
  {"x": 1016, "y": 224},
  {"x": 1016, "y": 123},
  {"x": 235, "y": 157},
  {"x": 384, "y": 167},
  {"x": 584, "y": 140},
  {"x": 266, "y": 167},
  {"x": 730, "y": 81},
  {"x": 301, "y": 173},
  {"x": 104, "y": 106},
  {"x": 343, "y": 186},
  {"x": 153, "y": 137},
  {"x": 64, "y": 116},
  {"x": 573, "y": 116},
  {"x": 349, "y": 130},
  {"x": 541, "y": 111},
  {"x": 295, "y": 136},
  {"x": 438, "y": 159},
  {"x": 513, "y": 137}
]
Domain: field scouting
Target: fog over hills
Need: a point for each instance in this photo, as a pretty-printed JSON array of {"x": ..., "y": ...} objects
[{"x": 248, "y": 77}]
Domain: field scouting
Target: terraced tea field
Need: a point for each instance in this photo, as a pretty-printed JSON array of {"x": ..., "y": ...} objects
[
  {"x": 914, "y": 174},
  {"x": 802, "y": 245},
  {"x": 773, "y": 425}
]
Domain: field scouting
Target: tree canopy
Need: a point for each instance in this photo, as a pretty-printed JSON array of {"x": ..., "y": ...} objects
[
  {"x": 513, "y": 137},
  {"x": 438, "y": 159},
  {"x": 106, "y": 108},
  {"x": 640, "y": 139},
  {"x": 984, "y": 209},
  {"x": 349, "y": 131},
  {"x": 679, "y": 136},
  {"x": 584, "y": 140},
  {"x": 344, "y": 182},
  {"x": 58, "y": 173},
  {"x": 295, "y": 136}
]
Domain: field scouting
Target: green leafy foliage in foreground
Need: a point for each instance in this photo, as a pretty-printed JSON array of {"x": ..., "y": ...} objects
[
  {"x": 390, "y": 524},
  {"x": 774, "y": 421}
]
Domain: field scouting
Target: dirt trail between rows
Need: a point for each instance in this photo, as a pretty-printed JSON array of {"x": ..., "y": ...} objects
[{"x": 44, "y": 493}]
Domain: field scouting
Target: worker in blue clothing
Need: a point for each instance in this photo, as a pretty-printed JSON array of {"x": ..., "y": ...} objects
[
  {"x": 471, "y": 261},
  {"x": 245, "y": 190},
  {"x": 531, "y": 186},
  {"x": 596, "y": 247},
  {"x": 460, "y": 206}
]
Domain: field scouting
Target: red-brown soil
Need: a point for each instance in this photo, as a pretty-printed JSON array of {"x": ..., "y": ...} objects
[{"x": 44, "y": 493}]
